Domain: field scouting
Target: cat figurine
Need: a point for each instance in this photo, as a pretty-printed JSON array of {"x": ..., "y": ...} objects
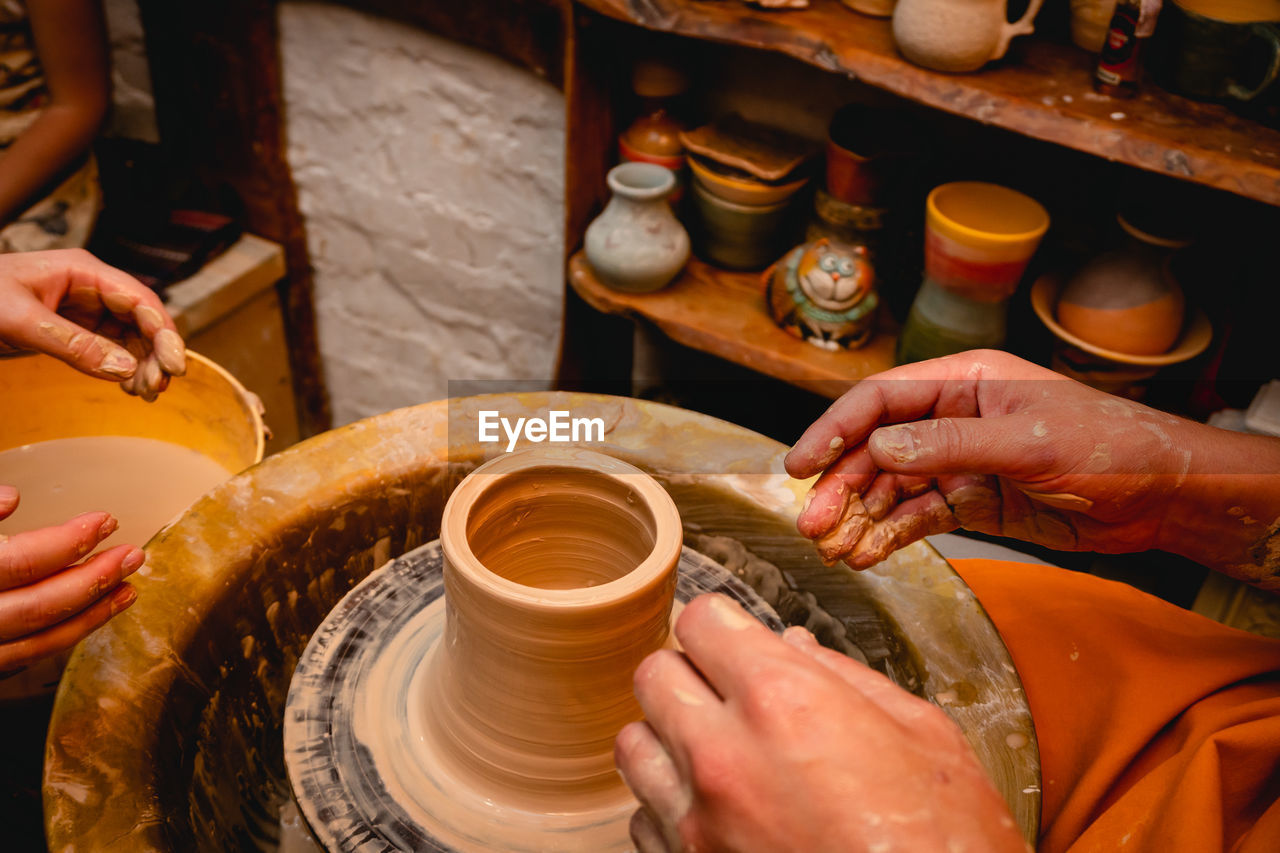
[{"x": 824, "y": 292}]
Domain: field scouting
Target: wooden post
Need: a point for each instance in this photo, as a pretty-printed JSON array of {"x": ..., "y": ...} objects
[{"x": 216, "y": 75}]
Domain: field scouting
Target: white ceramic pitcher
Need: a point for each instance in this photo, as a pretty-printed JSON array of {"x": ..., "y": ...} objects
[{"x": 957, "y": 35}]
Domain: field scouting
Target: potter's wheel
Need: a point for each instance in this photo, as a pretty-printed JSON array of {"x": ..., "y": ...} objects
[
  {"x": 360, "y": 782},
  {"x": 180, "y": 700}
]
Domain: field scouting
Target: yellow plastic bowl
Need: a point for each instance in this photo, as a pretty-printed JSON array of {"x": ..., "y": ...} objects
[{"x": 207, "y": 410}]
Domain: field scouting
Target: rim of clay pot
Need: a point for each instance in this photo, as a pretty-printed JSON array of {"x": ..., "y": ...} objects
[
  {"x": 641, "y": 181},
  {"x": 713, "y": 200},
  {"x": 1034, "y": 210},
  {"x": 1149, "y": 238},
  {"x": 747, "y": 192},
  {"x": 660, "y": 560},
  {"x": 672, "y": 162}
]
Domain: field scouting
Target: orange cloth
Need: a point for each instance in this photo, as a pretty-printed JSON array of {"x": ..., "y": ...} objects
[{"x": 1159, "y": 729}]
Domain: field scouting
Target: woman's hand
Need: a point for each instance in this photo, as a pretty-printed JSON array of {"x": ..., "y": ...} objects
[
  {"x": 758, "y": 743},
  {"x": 50, "y": 597},
  {"x": 96, "y": 318}
]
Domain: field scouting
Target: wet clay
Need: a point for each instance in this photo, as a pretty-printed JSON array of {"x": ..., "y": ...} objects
[
  {"x": 143, "y": 482},
  {"x": 559, "y": 576},
  {"x": 170, "y": 351},
  {"x": 559, "y": 581}
]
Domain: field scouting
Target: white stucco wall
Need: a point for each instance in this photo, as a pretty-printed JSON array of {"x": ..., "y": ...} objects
[{"x": 431, "y": 178}]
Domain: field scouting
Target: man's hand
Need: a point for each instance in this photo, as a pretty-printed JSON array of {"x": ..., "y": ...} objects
[
  {"x": 49, "y": 600},
  {"x": 99, "y": 320},
  {"x": 1004, "y": 447},
  {"x": 758, "y": 743}
]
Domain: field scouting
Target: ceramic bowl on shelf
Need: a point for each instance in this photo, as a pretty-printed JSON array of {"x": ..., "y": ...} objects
[
  {"x": 738, "y": 236},
  {"x": 1126, "y": 301},
  {"x": 1193, "y": 340},
  {"x": 738, "y": 187},
  {"x": 1090, "y": 20}
]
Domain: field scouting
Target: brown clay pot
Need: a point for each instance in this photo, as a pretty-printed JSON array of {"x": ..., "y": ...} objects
[{"x": 559, "y": 573}]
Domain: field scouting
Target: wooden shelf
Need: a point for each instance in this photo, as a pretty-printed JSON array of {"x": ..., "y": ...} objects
[
  {"x": 723, "y": 313},
  {"x": 1043, "y": 90}
]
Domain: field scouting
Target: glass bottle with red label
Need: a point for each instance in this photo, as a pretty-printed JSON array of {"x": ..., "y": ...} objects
[{"x": 1118, "y": 68}]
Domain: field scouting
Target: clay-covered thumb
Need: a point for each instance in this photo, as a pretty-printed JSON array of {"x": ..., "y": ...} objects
[{"x": 991, "y": 446}]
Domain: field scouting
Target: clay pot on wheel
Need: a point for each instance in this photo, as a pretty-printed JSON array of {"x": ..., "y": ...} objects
[{"x": 559, "y": 574}]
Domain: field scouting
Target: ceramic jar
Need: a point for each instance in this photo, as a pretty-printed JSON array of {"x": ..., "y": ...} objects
[
  {"x": 979, "y": 238},
  {"x": 957, "y": 35},
  {"x": 1219, "y": 50},
  {"x": 559, "y": 575},
  {"x": 654, "y": 137},
  {"x": 1090, "y": 20},
  {"x": 1127, "y": 300},
  {"x": 637, "y": 244},
  {"x": 870, "y": 154},
  {"x": 739, "y": 236}
]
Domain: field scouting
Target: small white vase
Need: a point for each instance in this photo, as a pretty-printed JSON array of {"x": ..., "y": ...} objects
[{"x": 637, "y": 244}]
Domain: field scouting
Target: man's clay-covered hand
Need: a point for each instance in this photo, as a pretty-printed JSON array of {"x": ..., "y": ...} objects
[
  {"x": 753, "y": 742},
  {"x": 50, "y": 596},
  {"x": 988, "y": 442},
  {"x": 96, "y": 318}
]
